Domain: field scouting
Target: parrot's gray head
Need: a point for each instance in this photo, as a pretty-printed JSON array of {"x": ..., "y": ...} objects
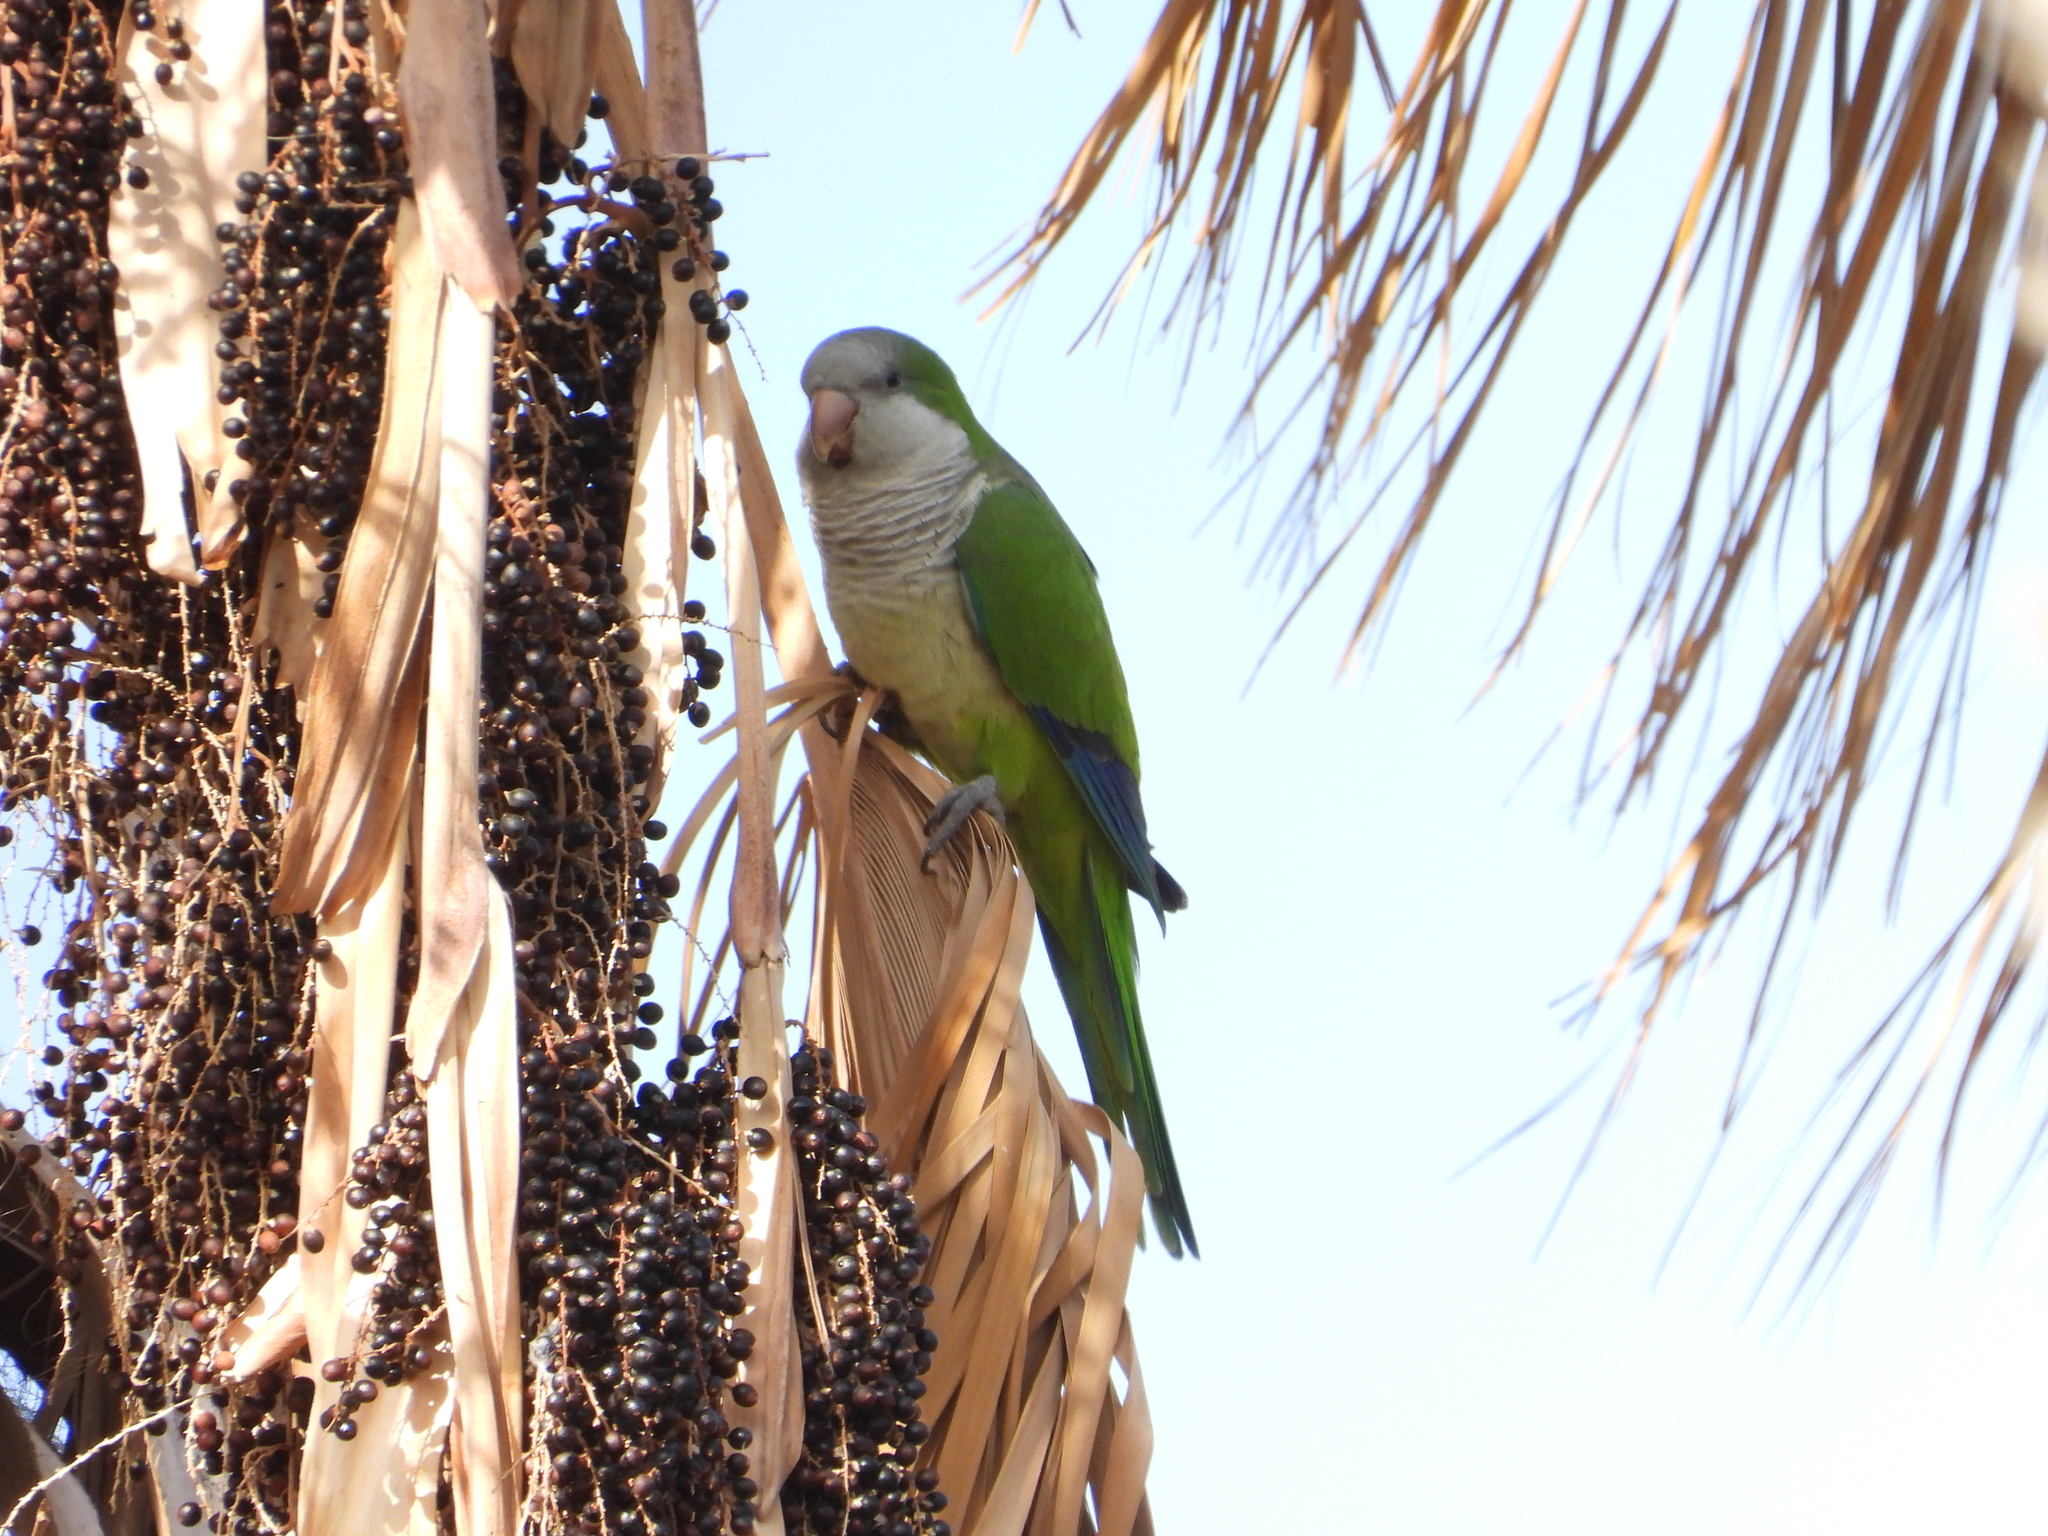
[{"x": 883, "y": 406}]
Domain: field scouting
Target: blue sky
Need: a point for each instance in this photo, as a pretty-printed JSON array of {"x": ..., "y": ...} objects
[{"x": 1362, "y": 996}]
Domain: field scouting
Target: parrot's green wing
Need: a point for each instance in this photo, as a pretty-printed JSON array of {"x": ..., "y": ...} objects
[{"x": 1031, "y": 589}]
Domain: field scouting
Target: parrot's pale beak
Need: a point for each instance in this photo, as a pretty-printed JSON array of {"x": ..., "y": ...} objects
[{"x": 832, "y": 426}]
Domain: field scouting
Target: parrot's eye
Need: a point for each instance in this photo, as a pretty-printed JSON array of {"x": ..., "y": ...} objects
[{"x": 894, "y": 380}]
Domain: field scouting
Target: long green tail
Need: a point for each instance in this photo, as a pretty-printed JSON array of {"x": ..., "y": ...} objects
[{"x": 1097, "y": 969}]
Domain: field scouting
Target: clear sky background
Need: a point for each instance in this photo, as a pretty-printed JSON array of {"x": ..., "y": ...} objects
[{"x": 1362, "y": 996}]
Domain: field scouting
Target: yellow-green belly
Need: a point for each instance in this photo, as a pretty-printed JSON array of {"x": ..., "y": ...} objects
[{"x": 918, "y": 642}]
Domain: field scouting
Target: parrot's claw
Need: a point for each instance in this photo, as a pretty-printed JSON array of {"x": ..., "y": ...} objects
[{"x": 950, "y": 816}]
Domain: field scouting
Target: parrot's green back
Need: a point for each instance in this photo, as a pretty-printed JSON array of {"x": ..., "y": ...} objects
[{"x": 1079, "y": 831}]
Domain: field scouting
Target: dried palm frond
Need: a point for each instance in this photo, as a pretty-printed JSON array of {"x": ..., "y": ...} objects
[
  {"x": 358, "y": 745},
  {"x": 769, "y": 1204},
  {"x": 1029, "y": 1281},
  {"x": 554, "y": 45},
  {"x": 473, "y": 1162},
  {"x": 26, "y": 1461},
  {"x": 195, "y": 144},
  {"x": 1928, "y": 116},
  {"x": 445, "y": 89},
  {"x": 456, "y": 911},
  {"x": 618, "y": 78},
  {"x": 356, "y": 1014},
  {"x": 52, "y": 1331}
]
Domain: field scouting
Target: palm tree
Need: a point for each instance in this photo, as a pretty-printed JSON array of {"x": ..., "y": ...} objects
[
  {"x": 1921, "y": 245},
  {"x": 366, "y": 400}
]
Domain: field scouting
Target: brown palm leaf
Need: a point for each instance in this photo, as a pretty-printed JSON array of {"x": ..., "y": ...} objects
[
  {"x": 1934, "y": 180},
  {"x": 54, "y": 1330}
]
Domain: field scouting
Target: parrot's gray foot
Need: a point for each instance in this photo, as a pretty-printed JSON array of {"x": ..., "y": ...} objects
[{"x": 950, "y": 816}]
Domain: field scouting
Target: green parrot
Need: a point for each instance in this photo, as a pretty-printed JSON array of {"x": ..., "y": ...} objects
[{"x": 957, "y": 587}]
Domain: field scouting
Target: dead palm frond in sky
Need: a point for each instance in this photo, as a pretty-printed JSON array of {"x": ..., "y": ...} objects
[{"x": 1883, "y": 159}]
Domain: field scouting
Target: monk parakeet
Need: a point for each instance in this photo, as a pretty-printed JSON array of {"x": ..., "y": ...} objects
[{"x": 957, "y": 587}]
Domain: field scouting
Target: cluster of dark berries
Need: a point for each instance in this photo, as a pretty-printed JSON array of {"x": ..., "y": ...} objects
[
  {"x": 707, "y": 308},
  {"x": 392, "y": 1162},
  {"x": 182, "y": 1091},
  {"x": 248, "y": 1438},
  {"x": 706, "y": 661},
  {"x": 674, "y": 216},
  {"x": 388, "y": 1178},
  {"x": 69, "y": 496},
  {"x": 568, "y": 745},
  {"x": 627, "y": 1251},
  {"x": 199, "y": 992},
  {"x": 303, "y": 324},
  {"x": 555, "y": 161},
  {"x": 161, "y": 749},
  {"x": 628, "y": 1233},
  {"x": 626, "y": 1226},
  {"x": 865, "y": 1359},
  {"x": 186, "y": 995}
]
